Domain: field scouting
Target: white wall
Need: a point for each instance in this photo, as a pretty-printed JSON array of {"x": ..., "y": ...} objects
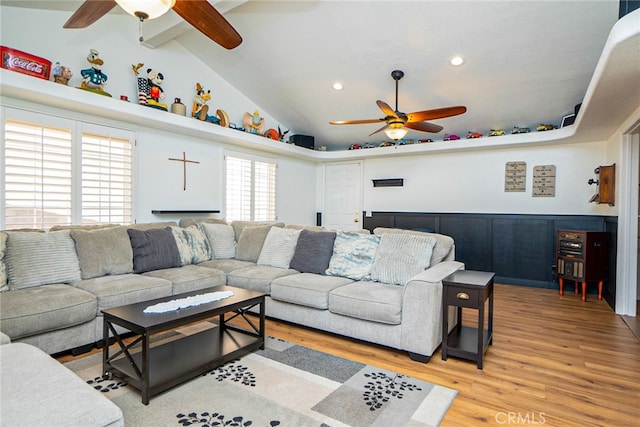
[
  {"x": 159, "y": 181},
  {"x": 473, "y": 181}
]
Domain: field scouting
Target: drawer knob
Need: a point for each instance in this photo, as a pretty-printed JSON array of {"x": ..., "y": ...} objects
[{"x": 462, "y": 295}]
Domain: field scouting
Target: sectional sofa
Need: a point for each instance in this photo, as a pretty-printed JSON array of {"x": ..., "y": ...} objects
[{"x": 383, "y": 287}]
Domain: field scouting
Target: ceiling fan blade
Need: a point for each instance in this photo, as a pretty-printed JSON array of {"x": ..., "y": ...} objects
[
  {"x": 206, "y": 19},
  {"x": 89, "y": 12},
  {"x": 437, "y": 113},
  {"x": 424, "y": 127},
  {"x": 355, "y": 122},
  {"x": 379, "y": 130},
  {"x": 388, "y": 111}
]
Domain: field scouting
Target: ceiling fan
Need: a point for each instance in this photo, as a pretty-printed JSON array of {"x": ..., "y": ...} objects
[
  {"x": 199, "y": 13},
  {"x": 398, "y": 122}
]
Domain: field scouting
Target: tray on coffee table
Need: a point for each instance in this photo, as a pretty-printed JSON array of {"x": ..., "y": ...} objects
[{"x": 155, "y": 368}]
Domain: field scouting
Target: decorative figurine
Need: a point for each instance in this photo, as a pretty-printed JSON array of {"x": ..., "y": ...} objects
[
  {"x": 61, "y": 74},
  {"x": 281, "y": 134},
  {"x": 149, "y": 90},
  {"x": 94, "y": 78},
  {"x": 200, "y": 107},
  {"x": 253, "y": 123}
]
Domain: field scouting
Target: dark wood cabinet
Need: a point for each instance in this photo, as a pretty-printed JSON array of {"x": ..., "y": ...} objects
[{"x": 582, "y": 256}]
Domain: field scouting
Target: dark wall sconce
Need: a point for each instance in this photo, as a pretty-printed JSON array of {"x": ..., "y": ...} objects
[{"x": 392, "y": 182}]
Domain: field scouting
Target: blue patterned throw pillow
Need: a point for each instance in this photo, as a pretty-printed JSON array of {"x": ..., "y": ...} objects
[{"x": 353, "y": 255}]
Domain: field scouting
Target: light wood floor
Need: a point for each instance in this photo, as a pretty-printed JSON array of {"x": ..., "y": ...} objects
[{"x": 555, "y": 361}]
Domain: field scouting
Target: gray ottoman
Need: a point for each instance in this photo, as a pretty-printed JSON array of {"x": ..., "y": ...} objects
[{"x": 37, "y": 390}]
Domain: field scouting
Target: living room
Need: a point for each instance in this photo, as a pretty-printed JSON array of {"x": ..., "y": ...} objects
[{"x": 436, "y": 180}]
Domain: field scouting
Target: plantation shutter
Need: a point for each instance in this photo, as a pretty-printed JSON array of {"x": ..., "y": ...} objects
[
  {"x": 37, "y": 175},
  {"x": 106, "y": 179},
  {"x": 250, "y": 189}
]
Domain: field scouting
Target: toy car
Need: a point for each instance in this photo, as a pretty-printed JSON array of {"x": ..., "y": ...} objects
[
  {"x": 474, "y": 135},
  {"x": 542, "y": 127},
  {"x": 496, "y": 132},
  {"x": 517, "y": 129},
  {"x": 368, "y": 145},
  {"x": 422, "y": 141},
  {"x": 386, "y": 144},
  {"x": 448, "y": 137},
  {"x": 355, "y": 147}
]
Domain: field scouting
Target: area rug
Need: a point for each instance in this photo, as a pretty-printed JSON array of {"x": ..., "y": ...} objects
[{"x": 283, "y": 385}]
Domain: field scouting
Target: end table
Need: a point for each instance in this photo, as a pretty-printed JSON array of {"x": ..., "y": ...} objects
[{"x": 467, "y": 289}]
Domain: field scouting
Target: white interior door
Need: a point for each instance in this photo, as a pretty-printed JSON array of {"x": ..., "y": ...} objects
[{"x": 343, "y": 196}]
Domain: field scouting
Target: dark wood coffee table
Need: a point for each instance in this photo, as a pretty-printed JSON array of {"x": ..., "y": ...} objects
[{"x": 153, "y": 369}]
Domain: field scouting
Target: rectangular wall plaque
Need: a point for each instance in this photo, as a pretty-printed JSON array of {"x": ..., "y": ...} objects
[
  {"x": 544, "y": 181},
  {"x": 515, "y": 177}
]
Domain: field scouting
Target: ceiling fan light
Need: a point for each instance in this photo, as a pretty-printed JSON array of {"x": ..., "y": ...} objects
[
  {"x": 396, "y": 133},
  {"x": 148, "y": 9}
]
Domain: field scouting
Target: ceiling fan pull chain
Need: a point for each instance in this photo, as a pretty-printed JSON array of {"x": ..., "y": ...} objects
[{"x": 140, "y": 38}]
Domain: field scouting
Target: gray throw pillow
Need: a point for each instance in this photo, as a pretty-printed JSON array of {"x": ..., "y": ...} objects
[
  {"x": 153, "y": 249},
  {"x": 278, "y": 247},
  {"x": 222, "y": 239},
  {"x": 35, "y": 259},
  {"x": 313, "y": 251},
  {"x": 103, "y": 251},
  {"x": 400, "y": 257},
  {"x": 250, "y": 242}
]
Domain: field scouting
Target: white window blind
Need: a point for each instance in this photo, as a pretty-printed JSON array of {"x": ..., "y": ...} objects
[
  {"x": 38, "y": 175},
  {"x": 106, "y": 179},
  {"x": 250, "y": 189}
]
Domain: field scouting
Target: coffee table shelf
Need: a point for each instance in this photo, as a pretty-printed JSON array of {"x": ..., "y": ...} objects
[{"x": 155, "y": 368}]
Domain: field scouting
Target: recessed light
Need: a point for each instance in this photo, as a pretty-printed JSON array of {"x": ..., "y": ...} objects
[
  {"x": 337, "y": 86},
  {"x": 456, "y": 61}
]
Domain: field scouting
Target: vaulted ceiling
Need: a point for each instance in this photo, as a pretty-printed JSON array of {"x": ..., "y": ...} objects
[{"x": 526, "y": 62}]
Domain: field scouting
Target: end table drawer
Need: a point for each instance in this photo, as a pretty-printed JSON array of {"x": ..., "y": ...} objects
[{"x": 462, "y": 296}]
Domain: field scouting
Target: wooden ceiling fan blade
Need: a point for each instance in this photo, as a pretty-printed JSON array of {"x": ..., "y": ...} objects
[
  {"x": 355, "y": 122},
  {"x": 388, "y": 111},
  {"x": 379, "y": 130},
  {"x": 437, "y": 113},
  {"x": 424, "y": 127},
  {"x": 206, "y": 19},
  {"x": 89, "y": 12}
]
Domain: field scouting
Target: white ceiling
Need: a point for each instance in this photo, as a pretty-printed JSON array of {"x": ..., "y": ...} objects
[{"x": 527, "y": 62}]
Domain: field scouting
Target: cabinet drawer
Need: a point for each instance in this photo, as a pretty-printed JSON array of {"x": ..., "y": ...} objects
[{"x": 462, "y": 296}]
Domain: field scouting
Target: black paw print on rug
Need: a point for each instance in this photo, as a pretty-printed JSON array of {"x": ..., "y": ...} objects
[
  {"x": 208, "y": 419},
  {"x": 106, "y": 383},
  {"x": 383, "y": 387}
]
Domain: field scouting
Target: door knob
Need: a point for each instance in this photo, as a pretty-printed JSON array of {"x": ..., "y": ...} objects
[{"x": 355, "y": 220}]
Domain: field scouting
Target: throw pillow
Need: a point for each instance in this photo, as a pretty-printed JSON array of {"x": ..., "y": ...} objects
[
  {"x": 278, "y": 247},
  {"x": 400, "y": 257},
  {"x": 251, "y": 241},
  {"x": 222, "y": 239},
  {"x": 238, "y": 226},
  {"x": 3, "y": 268},
  {"x": 444, "y": 243},
  {"x": 153, "y": 249},
  {"x": 35, "y": 259},
  {"x": 353, "y": 255},
  {"x": 186, "y": 222},
  {"x": 313, "y": 251},
  {"x": 103, "y": 251},
  {"x": 193, "y": 244}
]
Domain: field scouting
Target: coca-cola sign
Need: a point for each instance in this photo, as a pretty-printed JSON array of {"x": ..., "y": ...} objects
[{"x": 25, "y": 63}]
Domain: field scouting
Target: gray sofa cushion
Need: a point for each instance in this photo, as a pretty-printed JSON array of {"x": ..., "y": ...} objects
[
  {"x": 38, "y": 309},
  {"x": 153, "y": 249},
  {"x": 113, "y": 291},
  {"x": 308, "y": 289},
  {"x": 226, "y": 265},
  {"x": 190, "y": 277},
  {"x": 257, "y": 278},
  {"x": 103, "y": 251},
  {"x": 222, "y": 240},
  {"x": 377, "y": 302},
  {"x": 313, "y": 251},
  {"x": 250, "y": 242},
  {"x": 278, "y": 247},
  {"x": 35, "y": 259},
  {"x": 444, "y": 243},
  {"x": 238, "y": 226},
  {"x": 38, "y": 390},
  {"x": 400, "y": 257}
]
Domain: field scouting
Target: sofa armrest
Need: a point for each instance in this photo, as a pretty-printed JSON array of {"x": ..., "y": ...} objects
[
  {"x": 422, "y": 308},
  {"x": 4, "y": 338}
]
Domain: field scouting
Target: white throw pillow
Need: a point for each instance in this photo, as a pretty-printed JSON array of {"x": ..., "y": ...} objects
[
  {"x": 222, "y": 239},
  {"x": 279, "y": 247},
  {"x": 193, "y": 244},
  {"x": 353, "y": 255},
  {"x": 400, "y": 257}
]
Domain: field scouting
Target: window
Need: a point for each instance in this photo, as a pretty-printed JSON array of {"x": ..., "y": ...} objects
[
  {"x": 250, "y": 188},
  {"x": 56, "y": 175}
]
